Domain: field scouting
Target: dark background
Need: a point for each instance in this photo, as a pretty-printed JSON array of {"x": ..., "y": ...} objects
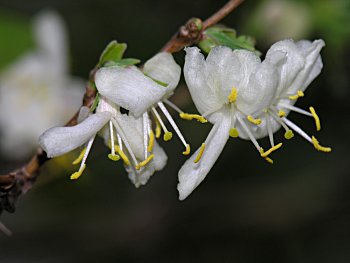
[{"x": 297, "y": 210}]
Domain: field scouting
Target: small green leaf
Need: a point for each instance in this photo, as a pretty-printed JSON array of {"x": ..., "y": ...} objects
[
  {"x": 113, "y": 52},
  {"x": 222, "y": 36},
  {"x": 122, "y": 63}
]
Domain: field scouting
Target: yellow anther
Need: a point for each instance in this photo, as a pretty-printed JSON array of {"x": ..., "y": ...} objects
[
  {"x": 234, "y": 133},
  {"x": 297, "y": 96},
  {"x": 317, "y": 119},
  {"x": 114, "y": 157},
  {"x": 145, "y": 162},
  {"x": 268, "y": 152},
  {"x": 289, "y": 134},
  {"x": 233, "y": 95},
  {"x": 151, "y": 142},
  {"x": 158, "y": 129},
  {"x": 167, "y": 136},
  {"x": 77, "y": 174},
  {"x": 80, "y": 157},
  {"x": 264, "y": 155},
  {"x": 122, "y": 155},
  {"x": 188, "y": 150},
  {"x": 269, "y": 160},
  {"x": 319, "y": 147},
  {"x": 281, "y": 114},
  {"x": 190, "y": 117},
  {"x": 254, "y": 121},
  {"x": 199, "y": 156}
]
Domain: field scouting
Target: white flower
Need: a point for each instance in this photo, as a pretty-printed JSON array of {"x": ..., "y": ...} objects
[
  {"x": 36, "y": 91},
  {"x": 238, "y": 93},
  {"x": 302, "y": 65},
  {"x": 142, "y": 91},
  {"x": 122, "y": 133}
]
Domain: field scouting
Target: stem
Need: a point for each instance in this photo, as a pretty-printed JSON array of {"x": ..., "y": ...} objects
[{"x": 18, "y": 182}]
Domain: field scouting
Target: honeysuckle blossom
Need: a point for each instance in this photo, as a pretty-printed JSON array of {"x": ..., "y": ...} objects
[
  {"x": 302, "y": 65},
  {"x": 238, "y": 93},
  {"x": 142, "y": 91},
  {"x": 122, "y": 133},
  {"x": 36, "y": 91}
]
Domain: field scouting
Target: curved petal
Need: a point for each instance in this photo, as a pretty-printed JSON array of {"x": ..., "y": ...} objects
[
  {"x": 163, "y": 67},
  {"x": 205, "y": 99},
  {"x": 223, "y": 71},
  {"x": 192, "y": 174},
  {"x": 129, "y": 88},
  {"x": 160, "y": 157},
  {"x": 60, "y": 140}
]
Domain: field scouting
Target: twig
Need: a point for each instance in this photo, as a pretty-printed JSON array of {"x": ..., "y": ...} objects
[{"x": 18, "y": 182}]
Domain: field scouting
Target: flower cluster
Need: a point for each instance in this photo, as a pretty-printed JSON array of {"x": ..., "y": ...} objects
[{"x": 234, "y": 90}]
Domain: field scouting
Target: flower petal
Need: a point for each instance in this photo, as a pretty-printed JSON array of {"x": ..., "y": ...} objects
[
  {"x": 205, "y": 99},
  {"x": 141, "y": 177},
  {"x": 51, "y": 36},
  {"x": 129, "y": 88},
  {"x": 60, "y": 140},
  {"x": 163, "y": 67},
  {"x": 192, "y": 174}
]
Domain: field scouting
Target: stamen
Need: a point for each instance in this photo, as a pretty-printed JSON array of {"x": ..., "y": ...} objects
[
  {"x": 123, "y": 155},
  {"x": 233, "y": 95},
  {"x": 297, "y": 129},
  {"x": 120, "y": 142},
  {"x": 190, "y": 117},
  {"x": 145, "y": 162},
  {"x": 173, "y": 124},
  {"x": 272, "y": 149},
  {"x": 158, "y": 129},
  {"x": 151, "y": 142},
  {"x": 112, "y": 156},
  {"x": 250, "y": 135},
  {"x": 172, "y": 105},
  {"x": 288, "y": 134},
  {"x": 123, "y": 137},
  {"x": 86, "y": 151},
  {"x": 269, "y": 160},
  {"x": 234, "y": 133},
  {"x": 188, "y": 150},
  {"x": 296, "y": 96},
  {"x": 296, "y": 109},
  {"x": 200, "y": 153},
  {"x": 167, "y": 135},
  {"x": 269, "y": 129},
  {"x": 80, "y": 157},
  {"x": 320, "y": 147},
  {"x": 77, "y": 174},
  {"x": 254, "y": 121},
  {"x": 145, "y": 133},
  {"x": 317, "y": 119},
  {"x": 281, "y": 113}
]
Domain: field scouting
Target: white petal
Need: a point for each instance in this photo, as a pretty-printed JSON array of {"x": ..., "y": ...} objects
[
  {"x": 223, "y": 71},
  {"x": 129, "y": 88},
  {"x": 260, "y": 90},
  {"x": 60, "y": 140},
  {"x": 195, "y": 72},
  {"x": 163, "y": 67},
  {"x": 52, "y": 39},
  {"x": 192, "y": 174}
]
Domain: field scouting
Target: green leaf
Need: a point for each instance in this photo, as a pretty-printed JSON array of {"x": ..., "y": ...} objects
[
  {"x": 94, "y": 105},
  {"x": 122, "y": 63},
  {"x": 113, "y": 52},
  {"x": 222, "y": 36}
]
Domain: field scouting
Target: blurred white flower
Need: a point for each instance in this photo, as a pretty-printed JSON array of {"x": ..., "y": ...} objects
[
  {"x": 143, "y": 91},
  {"x": 122, "y": 133},
  {"x": 244, "y": 97},
  {"x": 36, "y": 91}
]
